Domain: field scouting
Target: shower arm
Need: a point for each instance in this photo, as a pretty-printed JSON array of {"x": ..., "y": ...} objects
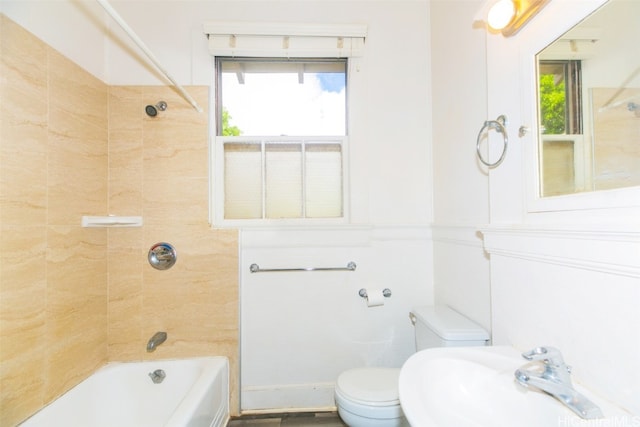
[{"x": 116, "y": 17}]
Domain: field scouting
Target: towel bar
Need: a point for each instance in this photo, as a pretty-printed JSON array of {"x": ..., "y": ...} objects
[{"x": 255, "y": 268}]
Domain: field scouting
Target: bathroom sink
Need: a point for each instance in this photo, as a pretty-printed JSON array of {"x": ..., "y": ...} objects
[{"x": 475, "y": 386}]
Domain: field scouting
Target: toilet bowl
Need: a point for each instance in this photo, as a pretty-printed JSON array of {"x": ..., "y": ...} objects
[{"x": 368, "y": 397}]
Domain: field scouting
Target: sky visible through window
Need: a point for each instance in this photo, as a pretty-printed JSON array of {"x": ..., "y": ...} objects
[
  {"x": 279, "y": 104},
  {"x": 331, "y": 82}
]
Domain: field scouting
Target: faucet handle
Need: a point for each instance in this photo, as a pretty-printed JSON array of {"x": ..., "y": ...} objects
[{"x": 550, "y": 356}]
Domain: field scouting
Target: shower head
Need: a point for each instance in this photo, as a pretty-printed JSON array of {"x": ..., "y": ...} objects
[{"x": 152, "y": 110}]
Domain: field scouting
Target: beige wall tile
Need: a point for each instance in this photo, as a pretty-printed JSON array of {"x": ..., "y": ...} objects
[
  {"x": 126, "y": 262},
  {"x": 77, "y": 142},
  {"x": 126, "y": 109},
  {"x": 23, "y": 387},
  {"x": 166, "y": 199},
  {"x": 176, "y": 141},
  {"x": 73, "y": 90},
  {"x": 53, "y": 165},
  {"x": 77, "y": 182},
  {"x": 76, "y": 305},
  {"x": 125, "y": 150},
  {"x": 72, "y": 298},
  {"x": 23, "y": 187},
  {"x": 76, "y": 295},
  {"x": 22, "y": 320},
  {"x": 25, "y": 117},
  {"x": 23, "y": 127},
  {"x": 23, "y": 302},
  {"x": 73, "y": 359},
  {"x": 24, "y": 59}
]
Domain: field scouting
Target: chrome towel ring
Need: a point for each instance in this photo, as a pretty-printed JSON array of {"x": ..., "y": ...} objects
[{"x": 499, "y": 126}]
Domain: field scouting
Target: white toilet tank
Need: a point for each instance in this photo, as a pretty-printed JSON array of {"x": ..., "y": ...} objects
[{"x": 441, "y": 326}]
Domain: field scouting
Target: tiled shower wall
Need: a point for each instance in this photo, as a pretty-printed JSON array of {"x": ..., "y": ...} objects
[
  {"x": 53, "y": 273},
  {"x": 73, "y": 298},
  {"x": 158, "y": 168}
]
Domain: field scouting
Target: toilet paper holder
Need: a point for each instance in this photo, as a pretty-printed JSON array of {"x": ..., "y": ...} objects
[{"x": 386, "y": 292}]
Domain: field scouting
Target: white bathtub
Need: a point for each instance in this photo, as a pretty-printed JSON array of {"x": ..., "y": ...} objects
[{"x": 194, "y": 393}]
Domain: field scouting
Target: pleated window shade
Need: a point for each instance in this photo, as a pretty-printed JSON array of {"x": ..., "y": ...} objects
[
  {"x": 323, "y": 195},
  {"x": 242, "y": 181},
  {"x": 275, "y": 179}
]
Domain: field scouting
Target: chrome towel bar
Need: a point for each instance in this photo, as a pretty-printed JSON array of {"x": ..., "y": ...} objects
[{"x": 255, "y": 268}]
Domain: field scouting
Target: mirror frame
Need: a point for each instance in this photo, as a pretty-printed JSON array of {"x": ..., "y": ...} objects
[{"x": 561, "y": 16}]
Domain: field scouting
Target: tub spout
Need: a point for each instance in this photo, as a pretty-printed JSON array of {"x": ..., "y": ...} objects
[{"x": 157, "y": 339}]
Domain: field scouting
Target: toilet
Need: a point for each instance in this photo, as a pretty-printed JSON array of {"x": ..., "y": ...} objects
[{"x": 368, "y": 397}]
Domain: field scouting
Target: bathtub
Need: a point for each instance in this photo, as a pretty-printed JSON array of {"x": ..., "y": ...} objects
[{"x": 194, "y": 393}]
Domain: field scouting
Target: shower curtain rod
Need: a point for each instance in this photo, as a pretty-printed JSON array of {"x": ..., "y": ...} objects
[{"x": 116, "y": 17}]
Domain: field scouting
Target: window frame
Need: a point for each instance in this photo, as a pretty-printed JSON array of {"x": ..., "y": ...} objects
[
  {"x": 217, "y": 163},
  {"x": 573, "y": 134}
]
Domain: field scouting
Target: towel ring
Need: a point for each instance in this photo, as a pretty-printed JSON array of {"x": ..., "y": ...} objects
[{"x": 499, "y": 126}]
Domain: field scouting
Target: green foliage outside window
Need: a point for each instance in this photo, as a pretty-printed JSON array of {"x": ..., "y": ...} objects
[
  {"x": 552, "y": 105},
  {"x": 227, "y": 129}
]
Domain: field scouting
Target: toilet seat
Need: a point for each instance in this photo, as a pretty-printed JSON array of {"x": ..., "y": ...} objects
[
  {"x": 370, "y": 386},
  {"x": 368, "y": 397}
]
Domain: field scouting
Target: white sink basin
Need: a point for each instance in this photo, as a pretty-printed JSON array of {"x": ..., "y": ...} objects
[{"x": 475, "y": 386}]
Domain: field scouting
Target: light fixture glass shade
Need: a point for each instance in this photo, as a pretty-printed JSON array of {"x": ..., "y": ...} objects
[{"x": 501, "y": 14}]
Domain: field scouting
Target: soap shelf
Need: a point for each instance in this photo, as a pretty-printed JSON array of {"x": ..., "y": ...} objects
[{"x": 111, "y": 221}]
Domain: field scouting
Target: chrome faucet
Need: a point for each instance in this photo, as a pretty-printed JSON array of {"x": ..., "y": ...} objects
[
  {"x": 553, "y": 377},
  {"x": 157, "y": 339}
]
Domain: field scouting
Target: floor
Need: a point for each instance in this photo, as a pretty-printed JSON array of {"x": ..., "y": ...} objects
[{"x": 304, "y": 419}]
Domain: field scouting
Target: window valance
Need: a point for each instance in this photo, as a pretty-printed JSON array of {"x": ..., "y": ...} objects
[{"x": 285, "y": 39}]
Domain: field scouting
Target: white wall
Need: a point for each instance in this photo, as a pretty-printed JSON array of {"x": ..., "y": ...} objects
[
  {"x": 300, "y": 330},
  {"x": 610, "y": 65},
  {"x": 75, "y": 29},
  {"x": 566, "y": 278},
  {"x": 461, "y": 182}
]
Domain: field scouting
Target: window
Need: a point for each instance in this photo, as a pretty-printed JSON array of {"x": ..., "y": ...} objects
[
  {"x": 560, "y": 97},
  {"x": 563, "y": 168},
  {"x": 281, "y": 135},
  {"x": 279, "y": 153}
]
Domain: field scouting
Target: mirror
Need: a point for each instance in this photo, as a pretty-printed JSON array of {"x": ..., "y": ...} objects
[{"x": 589, "y": 104}]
